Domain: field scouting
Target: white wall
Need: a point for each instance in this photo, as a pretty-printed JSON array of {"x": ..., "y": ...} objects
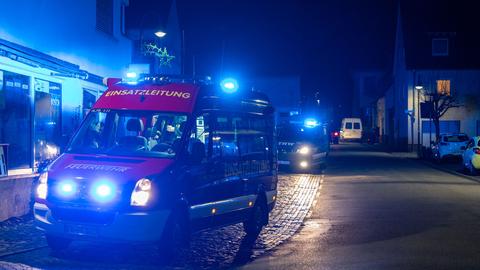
[{"x": 66, "y": 29}]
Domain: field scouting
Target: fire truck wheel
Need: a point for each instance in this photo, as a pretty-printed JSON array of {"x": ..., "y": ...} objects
[
  {"x": 257, "y": 219},
  {"x": 175, "y": 237}
]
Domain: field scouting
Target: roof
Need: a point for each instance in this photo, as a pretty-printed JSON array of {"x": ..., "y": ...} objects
[{"x": 455, "y": 20}]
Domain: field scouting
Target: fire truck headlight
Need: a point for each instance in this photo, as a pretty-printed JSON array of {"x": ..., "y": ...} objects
[
  {"x": 103, "y": 191},
  {"x": 42, "y": 188},
  {"x": 304, "y": 150},
  {"x": 67, "y": 188},
  {"x": 303, "y": 164},
  {"x": 141, "y": 192}
]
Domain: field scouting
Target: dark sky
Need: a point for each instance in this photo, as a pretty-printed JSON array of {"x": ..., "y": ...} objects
[{"x": 322, "y": 41}]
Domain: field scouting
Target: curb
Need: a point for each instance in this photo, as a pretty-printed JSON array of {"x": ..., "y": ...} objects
[
  {"x": 433, "y": 166},
  {"x": 468, "y": 177}
]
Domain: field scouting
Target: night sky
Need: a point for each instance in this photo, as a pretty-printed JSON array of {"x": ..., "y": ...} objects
[{"x": 322, "y": 41}]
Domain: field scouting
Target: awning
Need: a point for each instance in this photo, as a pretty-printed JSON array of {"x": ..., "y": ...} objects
[{"x": 35, "y": 58}]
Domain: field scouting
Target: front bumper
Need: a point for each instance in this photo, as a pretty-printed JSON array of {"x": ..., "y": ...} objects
[
  {"x": 294, "y": 159},
  {"x": 129, "y": 227},
  {"x": 476, "y": 161}
]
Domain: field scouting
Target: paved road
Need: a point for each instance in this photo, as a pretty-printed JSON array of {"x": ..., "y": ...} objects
[
  {"x": 220, "y": 248},
  {"x": 378, "y": 211}
]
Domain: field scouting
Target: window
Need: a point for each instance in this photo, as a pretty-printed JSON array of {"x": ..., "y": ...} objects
[
  {"x": 356, "y": 125},
  {"x": 348, "y": 125},
  {"x": 89, "y": 98},
  {"x": 48, "y": 119},
  {"x": 15, "y": 119},
  {"x": 201, "y": 132},
  {"x": 443, "y": 87},
  {"x": 136, "y": 133},
  {"x": 439, "y": 47},
  {"x": 455, "y": 138},
  {"x": 104, "y": 16},
  {"x": 252, "y": 140},
  {"x": 225, "y": 138}
]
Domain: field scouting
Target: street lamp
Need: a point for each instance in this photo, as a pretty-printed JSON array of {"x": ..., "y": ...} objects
[{"x": 160, "y": 33}]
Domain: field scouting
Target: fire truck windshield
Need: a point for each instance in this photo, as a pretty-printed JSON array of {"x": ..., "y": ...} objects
[
  {"x": 129, "y": 133},
  {"x": 297, "y": 133}
]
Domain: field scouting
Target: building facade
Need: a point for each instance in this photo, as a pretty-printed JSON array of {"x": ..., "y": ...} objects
[
  {"x": 435, "y": 53},
  {"x": 54, "y": 55}
]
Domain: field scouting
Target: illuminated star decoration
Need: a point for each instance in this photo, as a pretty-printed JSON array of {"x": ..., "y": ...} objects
[{"x": 162, "y": 54}]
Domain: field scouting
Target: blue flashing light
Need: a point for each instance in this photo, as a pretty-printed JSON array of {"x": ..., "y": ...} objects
[
  {"x": 131, "y": 75},
  {"x": 67, "y": 188},
  {"x": 229, "y": 85},
  {"x": 310, "y": 123},
  {"x": 103, "y": 191}
]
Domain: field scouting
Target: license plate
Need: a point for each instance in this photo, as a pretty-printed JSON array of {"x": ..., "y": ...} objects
[
  {"x": 284, "y": 162},
  {"x": 80, "y": 229}
]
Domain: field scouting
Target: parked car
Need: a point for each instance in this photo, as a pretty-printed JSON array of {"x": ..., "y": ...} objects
[
  {"x": 351, "y": 129},
  {"x": 449, "y": 145},
  {"x": 471, "y": 156}
]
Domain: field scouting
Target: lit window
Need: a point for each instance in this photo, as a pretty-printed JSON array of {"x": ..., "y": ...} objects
[
  {"x": 440, "y": 47},
  {"x": 443, "y": 87}
]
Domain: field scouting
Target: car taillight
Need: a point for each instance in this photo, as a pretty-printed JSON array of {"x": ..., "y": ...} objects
[
  {"x": 476, "y": 151},
  {"x": 335, "y": 134}
]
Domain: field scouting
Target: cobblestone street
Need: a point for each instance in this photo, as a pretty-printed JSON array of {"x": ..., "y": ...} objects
[{"x": 220, "y": 248}]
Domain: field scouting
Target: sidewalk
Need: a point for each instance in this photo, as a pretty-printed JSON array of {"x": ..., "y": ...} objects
[
  {"x": 19, "y": 234},
  {"x": 448, "y": 166}
]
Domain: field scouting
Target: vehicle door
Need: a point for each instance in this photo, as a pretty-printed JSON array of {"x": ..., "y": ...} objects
[
  {"x": 254, "y": 157},
  {"x": 201, "y": 173},
  {"x": 357, "y": 129},
  {"x": 348, "y": 130},
  {"x": 227, "y": 167}
]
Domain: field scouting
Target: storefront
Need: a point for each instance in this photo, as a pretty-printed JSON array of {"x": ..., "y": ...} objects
[{"x": 42, "y": 101}]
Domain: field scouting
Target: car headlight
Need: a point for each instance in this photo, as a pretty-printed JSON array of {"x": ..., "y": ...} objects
[
  {"x": 141, "y": 192},
  {"x": 42, "y": 188},
  {"x": 304, "y": 150}
]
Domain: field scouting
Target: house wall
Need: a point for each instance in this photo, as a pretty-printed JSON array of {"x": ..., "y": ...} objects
[
  {"x": 67, "y": 30},
  {"x": 465, "y": 86}
]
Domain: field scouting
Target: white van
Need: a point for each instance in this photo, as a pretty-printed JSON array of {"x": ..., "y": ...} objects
[{"x": 351, "y": 129}]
